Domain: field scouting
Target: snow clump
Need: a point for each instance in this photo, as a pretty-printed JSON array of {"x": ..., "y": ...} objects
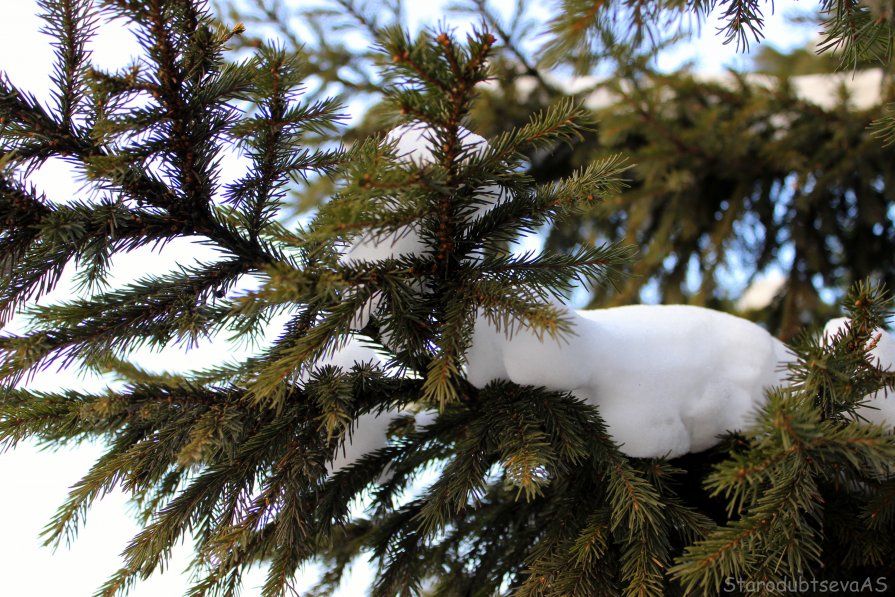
[{"x": 667, "y": 379}]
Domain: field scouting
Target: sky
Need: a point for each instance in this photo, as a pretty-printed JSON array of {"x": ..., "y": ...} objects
[{"x": 35, "y": 482}]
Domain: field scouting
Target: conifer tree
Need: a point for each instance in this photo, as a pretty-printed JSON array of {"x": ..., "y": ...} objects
[
  {"x": 731, "y": 178},
  {"x": 532, "y": 495}
]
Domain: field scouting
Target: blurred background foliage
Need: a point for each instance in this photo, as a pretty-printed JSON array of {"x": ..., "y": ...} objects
[{"x": 773, "y": 178}]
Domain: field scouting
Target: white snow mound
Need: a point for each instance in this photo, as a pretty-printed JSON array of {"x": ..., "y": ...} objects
[{"x": 667, "y": 379}]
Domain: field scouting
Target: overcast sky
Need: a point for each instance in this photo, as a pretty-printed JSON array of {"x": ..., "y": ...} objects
[{"x": 34, "y": 483}]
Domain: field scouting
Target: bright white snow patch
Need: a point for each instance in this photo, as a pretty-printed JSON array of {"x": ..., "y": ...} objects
[
  {"x": 761, "y": 292},
  {"x": 412, "y": 145},
  {"x": 863, "y": 88},
  {"x": 370, "y": 431},
  {"x": 666, "y": 379}
]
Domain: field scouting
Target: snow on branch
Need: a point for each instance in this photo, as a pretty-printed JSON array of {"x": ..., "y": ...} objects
[{"x": 667, "y": 379}]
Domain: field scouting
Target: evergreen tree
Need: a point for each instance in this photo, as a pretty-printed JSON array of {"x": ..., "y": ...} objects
[
  {"x": 730, "y": 179},
  {"x": 532, "y": 495}
]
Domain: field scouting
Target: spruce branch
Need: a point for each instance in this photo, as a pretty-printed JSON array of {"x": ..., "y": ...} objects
[
  {"x": 852, "y": 30},
  {"x": 531, "y": 495},
  {"x": 787, "y": 505},
  {"x": 841, "y": 370},
  {"x": 71, "y": 23}
]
